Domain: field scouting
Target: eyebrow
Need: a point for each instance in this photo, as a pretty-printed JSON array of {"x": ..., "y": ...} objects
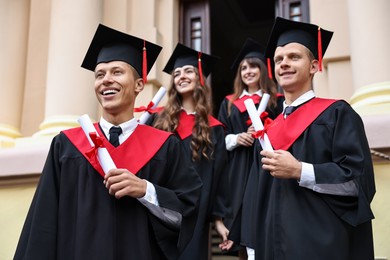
[{"x": 185, "y": 68}]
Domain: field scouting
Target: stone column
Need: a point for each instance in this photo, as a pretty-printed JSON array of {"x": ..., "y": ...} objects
[
  {"x": 69, "y": 88},
  {"x": 369, "y": 23},
  {"x": 13, "y": 48},
  {"x": 369, "y": 39}
]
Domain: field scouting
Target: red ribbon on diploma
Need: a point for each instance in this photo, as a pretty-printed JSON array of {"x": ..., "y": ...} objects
[
  {"x": 148, "y": 108},
  {"x": 98, "y": 141},
  {"x": 267, "y": 122}
]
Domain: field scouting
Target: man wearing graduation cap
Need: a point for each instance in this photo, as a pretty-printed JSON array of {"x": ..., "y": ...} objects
[
  {"x": 315, "y": 188},
  {"x": 144, "y": 209}
]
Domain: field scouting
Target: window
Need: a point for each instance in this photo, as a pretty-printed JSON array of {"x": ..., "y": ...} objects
[
  {"x": 196, "y": 34},
  {"x": 194, "y": 21},
  {"x": 296, "y": 10}
]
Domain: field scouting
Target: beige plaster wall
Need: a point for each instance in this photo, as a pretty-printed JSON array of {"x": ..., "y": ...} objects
[
  {"x": 15, "y": 201},
  {"x": 381, "y": 209}
]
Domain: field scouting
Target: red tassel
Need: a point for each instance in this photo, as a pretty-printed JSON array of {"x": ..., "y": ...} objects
[
  {"x": 144, "y": 64},
  {"x": 319, "y": 49},
  {"x": 200, "y": 69},
  {"x": 269, "y": 68}
]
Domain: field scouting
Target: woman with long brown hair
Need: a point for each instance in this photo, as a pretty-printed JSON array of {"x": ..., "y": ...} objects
[
  {"x": 188, "y": 115},
  {"x": 251, "y": 81}
]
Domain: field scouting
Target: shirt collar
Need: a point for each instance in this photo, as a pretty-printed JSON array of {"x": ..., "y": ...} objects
[
  {"x": 302, "y": 99},
  {"x": 127, "y": 127},
  {"x": 246, "y": 93},
  {"x": 188, "y": 113}
]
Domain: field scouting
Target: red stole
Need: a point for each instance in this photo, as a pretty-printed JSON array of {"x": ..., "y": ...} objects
[
  {"x": 132, "y": 154},
  {"x": 239, "y": 103},
  {"x": 187, "y": 122},
  {"x": 283, "y": 132}
]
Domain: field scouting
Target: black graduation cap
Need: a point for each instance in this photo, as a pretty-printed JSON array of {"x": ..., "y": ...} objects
[
  {"x": 183, "y": 55},
  {"x": 312, "y": 36},
  {"x": 111, "y": 45},
  {"x": 250, "y": 49}
]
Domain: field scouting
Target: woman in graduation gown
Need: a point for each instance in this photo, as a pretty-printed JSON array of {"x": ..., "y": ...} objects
[
  {"x": 188, "y": 115},
  {"x": 251, "y": 81}
]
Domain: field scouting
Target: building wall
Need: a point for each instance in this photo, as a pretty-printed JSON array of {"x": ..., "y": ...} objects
[
  {"x": 46, "y": 90},
  {"x": 15, "y": 199}
]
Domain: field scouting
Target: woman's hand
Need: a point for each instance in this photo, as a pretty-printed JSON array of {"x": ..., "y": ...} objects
[
  {"x": 245, "y": 139},
  {"x": 223, "y": 232}
]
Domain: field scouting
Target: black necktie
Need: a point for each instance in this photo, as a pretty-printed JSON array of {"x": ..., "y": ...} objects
[
  {"x": 288, "y": 110},
  {"x": 115, "y": 131}
]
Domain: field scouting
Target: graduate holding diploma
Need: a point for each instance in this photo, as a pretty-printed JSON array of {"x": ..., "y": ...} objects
[
  {"x": 145, "y": 207},
  {"x": 187, "y": 114},
  {"x": 251, "y": 82},
  {"x": 314, "y": 190}
]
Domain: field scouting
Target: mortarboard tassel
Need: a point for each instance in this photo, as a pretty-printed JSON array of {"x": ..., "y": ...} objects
[
  {"x": 319, "y": 49},
  {"x": 269, "y": 68},
  {"x": 144, "y": 64},
  {"x": 200, "y": 68}
]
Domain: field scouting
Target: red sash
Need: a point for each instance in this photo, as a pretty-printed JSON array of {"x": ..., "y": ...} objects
[
  {"x": 186, "y": 123},
  {"x": 239, "y": 103},
  {"x": 132, "y": 154},
  {"x": 283, "y": 132}
]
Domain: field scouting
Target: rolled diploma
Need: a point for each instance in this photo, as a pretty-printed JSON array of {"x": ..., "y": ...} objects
[
  {"x": 156, "y": 99},
  {"x": 263, "y": 103},
  {"x": 257, "y": 124},
  {"x": 104, "y": 157}
]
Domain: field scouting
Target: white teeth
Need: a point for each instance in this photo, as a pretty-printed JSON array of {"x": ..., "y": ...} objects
[
  {"x": 183, "y": 84},
  {"x": 110, "y": 92}
]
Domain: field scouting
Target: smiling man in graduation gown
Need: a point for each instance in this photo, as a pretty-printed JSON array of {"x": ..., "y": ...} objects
[
  {"x": 315, "y": 188},
  {"x": 146, "y": 207}
]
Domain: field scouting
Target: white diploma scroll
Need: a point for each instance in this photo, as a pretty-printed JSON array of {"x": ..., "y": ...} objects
[
  {"x": 104, "y": 157},
  {"x": 156, "y": 99},
  {"x": 257, "y": 124},
  {"x": 263, "y": 103}
]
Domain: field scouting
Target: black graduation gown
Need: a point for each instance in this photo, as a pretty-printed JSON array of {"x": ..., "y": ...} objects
[
  {"x": 72, "y": 215},
  {"x": 213, "y": 195},
  {"x": 293, "y": 222},
  {"x": 240, "y": 159}
]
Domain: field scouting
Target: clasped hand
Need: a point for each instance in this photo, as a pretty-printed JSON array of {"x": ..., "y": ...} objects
[
  {"x": 281, "y": 164},
  {"x": 121, "y": 182},
  {"x": 245, "y": 138}
]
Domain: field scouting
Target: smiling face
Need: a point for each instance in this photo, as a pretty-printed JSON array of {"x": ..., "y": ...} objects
[
  {"x": 294, "y": 68},
  {"x": 185, "y": 80},
  {"x": 250, "y": 75},
  {"x": 116, "y": 86}
]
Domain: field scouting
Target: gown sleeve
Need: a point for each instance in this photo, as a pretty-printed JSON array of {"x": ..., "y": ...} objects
[
  {"x": 220, "y": 207},
  {"x": 346, "y": 157}
]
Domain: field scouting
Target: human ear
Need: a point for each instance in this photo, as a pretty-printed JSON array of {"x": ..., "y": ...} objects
[
  {"x": 314, "y": 65},
  {"x": 139, "y": 85}
]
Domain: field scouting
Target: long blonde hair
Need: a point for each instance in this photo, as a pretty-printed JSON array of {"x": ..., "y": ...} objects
[{"x": 168, "y": 120}]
